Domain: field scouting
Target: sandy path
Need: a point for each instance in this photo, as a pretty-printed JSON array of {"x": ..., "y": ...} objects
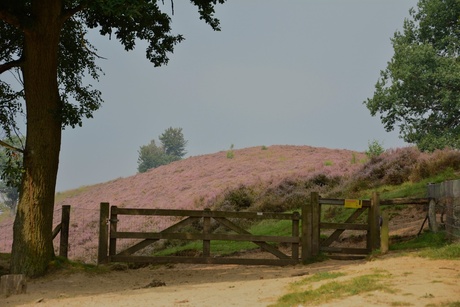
[{"x": 419, "y": 282}]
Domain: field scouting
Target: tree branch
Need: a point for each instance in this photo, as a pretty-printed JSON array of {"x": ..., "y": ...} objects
[
  {"x": 72, "y": 11},
  {"x": 7, "y": 66},
  {"x": 10, "y": 18},
  {"x": 11, "y": 147}
]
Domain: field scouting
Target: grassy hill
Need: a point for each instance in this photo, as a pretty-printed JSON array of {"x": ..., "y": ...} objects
[{"x": 275, "y": 178}]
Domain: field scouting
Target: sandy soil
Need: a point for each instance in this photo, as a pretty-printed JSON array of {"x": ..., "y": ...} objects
[{"x": 417, "y": 282}]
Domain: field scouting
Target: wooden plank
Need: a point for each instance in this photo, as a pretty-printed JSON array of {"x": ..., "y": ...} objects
[
  {"x": 206, "y": 231},
  {"x": 204, "y": 260},
  {"x": 405, "y": 201},
  {"x": 201, "y": 237},
  {"x": 113, "y": 230},
  {"x": 259, "y": 239},
  {"x": 56, "y": 230},
  {"x": 315, "y": 226},
  {"x": 64, "y": 238},
  {"x": 343, "y": 226},
  {"x": 203, "y": 213},
  {"x": 305, "y": 234},
  {"x": 336, "y": 234},
  {"x": 103, "y": 247},
  {"x": 340, "y": 202},
  {"x": 295, "y": 234},
  {"x": 143, "y": 244},
  {"x": 373, "y": 237}
]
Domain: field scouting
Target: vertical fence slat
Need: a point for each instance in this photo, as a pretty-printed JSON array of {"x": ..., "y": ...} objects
[
  {"x": 206, "y": 230},
  {"x": 113, "y": 231},
  {"x": 373, "y": 238},
  {"x": 316, "y": 220},
  {"x": 64, "y": 237},
  {"x": 385, "y": 235},
  {"x": 295, "y": 234},
  {"x": 102, "y": 253},
  {"x": 306, "y": 233}
]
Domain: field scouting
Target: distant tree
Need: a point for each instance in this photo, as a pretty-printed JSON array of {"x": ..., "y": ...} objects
[
  {"x": 420, "y": 89},
  {"x": 151, "y": 156},
  {"x": 172, "y": 149},
  {"x": 173, "y": 142}
]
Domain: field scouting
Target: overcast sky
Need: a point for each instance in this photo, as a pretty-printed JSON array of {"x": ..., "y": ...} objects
[{"x": 279, "y": 72}]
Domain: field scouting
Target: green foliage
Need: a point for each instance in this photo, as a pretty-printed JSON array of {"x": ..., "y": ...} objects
[
  {"x": 172, "y": 149},
  {"x": 375, "y": 149},
  {"x": 173, "y": 142},
  {"x": 238, "y": 199},
  {"x": 11, "y": 171},
  {"x": 419, "y": 91},
  {"x": 230, "y": 153}
]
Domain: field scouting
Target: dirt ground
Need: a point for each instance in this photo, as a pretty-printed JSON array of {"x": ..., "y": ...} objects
[{"x": 418, "y": 281}]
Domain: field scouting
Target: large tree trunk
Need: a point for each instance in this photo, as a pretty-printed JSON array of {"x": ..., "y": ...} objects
[{"x": 32, "y": 244}]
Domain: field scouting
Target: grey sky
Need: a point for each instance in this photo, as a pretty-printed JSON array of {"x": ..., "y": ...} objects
[{"x": 279, "y": 72}]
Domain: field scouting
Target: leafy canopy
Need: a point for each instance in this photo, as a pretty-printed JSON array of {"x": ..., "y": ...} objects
[
  {"x": 126, "y": 21},
  {"x": 172, "y": 149},
  {"x": 419, "y": 91}
]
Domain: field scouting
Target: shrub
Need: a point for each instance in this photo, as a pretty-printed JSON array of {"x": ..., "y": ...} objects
[
  {"x": 390, "y": 168},
  {"x": 375, "y": 149},
  {"x": 436, "y": 163}
]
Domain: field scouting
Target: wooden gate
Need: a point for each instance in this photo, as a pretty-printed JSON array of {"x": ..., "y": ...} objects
[
  {"x": 109, "y": 236},
  {"x": 314, "y": 244}
]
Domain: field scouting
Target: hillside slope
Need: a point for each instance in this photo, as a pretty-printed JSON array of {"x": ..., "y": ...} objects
[
  {"x": 196, "y": 182},
  {"x": 192, "y": 183}
]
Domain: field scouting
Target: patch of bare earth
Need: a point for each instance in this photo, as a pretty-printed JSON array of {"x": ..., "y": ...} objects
[{"x": 416, "y": 281}]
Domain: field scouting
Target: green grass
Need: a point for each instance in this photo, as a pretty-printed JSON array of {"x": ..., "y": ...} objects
[
  {"x": 451, "y": 252},
  {"x": 425, "y": 240},
  {"x": 334, "y": 289}
]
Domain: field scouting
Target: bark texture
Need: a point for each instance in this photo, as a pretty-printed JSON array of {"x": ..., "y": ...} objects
[{"x": 33, "y": 248}]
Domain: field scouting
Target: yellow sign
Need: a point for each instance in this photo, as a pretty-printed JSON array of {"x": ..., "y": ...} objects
[{"x": 353, "y": 203}]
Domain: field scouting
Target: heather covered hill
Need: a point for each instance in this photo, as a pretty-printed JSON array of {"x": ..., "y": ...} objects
[
  {"x": 198, "y": 182},
  {"x": 275, "y": 178}
]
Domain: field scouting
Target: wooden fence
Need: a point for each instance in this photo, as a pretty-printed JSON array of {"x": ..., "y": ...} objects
[
  {"x": 305, "y": 242},
  {"x": 109, "y": 235},
  {"x": 63, "y": 229},
  {"x": 371, "y": 225}
]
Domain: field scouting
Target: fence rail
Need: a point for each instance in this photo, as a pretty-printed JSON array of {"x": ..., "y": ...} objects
[{"x": 109, "y": 235}]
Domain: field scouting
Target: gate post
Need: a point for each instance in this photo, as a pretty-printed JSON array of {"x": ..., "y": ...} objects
[
  {"x": 102, "y": 253},
  {"x": 315, "y": 224},
  {"x": 305, "y": 239},
  {"x": 64, "y": 238},
  {"x": 206, "y": 231},
  {"x": 310, "y": 228},
  {"x": 295, "y": 234},
  {"x": 113, "y": 231},
  {"x": 373, "y": 235}
]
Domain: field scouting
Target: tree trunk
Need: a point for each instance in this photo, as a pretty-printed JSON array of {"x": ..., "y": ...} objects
[{"x": 32, "y": 244}]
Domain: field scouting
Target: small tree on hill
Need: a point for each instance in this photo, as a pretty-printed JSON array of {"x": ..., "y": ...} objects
[
  {"x": 172, "y": 149},
  {"x": 173, "y": 142}
]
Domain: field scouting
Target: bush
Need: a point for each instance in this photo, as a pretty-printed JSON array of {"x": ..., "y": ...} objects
[
  {"x": 390, "y": 168},
  {"x": 436, "y": 163},
  {"x": 375, "y": 149}
]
